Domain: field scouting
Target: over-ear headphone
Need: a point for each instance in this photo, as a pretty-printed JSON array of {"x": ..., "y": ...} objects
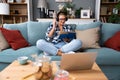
[{"x": 61, "y": 13}]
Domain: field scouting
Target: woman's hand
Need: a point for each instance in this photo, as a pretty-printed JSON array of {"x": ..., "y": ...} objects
[
  {"x": 53, "y": 28},
  {"x": 54, "y": 23},
  {"x": 66, "y": 39}
]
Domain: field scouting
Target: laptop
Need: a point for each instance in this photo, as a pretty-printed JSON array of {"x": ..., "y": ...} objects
[{"x": 78, "y": 61}]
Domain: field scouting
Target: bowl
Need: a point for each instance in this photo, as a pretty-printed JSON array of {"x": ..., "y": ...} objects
[{"x": 22, "y": 60}]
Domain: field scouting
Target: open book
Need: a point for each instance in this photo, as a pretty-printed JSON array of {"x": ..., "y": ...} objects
[{"x": 68, "y": 35}]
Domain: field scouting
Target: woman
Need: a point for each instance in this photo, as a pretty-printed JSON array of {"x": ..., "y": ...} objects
[{"x": 53, "y": 45}]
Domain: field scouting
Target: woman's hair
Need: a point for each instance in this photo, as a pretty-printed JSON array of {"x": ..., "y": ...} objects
[{"x": 61, "y": 13}]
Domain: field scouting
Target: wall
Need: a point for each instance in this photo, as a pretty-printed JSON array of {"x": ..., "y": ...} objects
[{"x": 54, "y": 6}]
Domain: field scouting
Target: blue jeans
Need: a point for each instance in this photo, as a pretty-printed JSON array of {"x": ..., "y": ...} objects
[{"x": 52, "y": 49}]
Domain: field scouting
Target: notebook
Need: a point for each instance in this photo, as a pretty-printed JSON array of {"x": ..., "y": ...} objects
[
  {"x": 78, "y": 61},
  {"x": 69, "y": 35}
]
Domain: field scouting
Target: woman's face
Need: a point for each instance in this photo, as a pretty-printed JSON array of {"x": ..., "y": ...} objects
[{"x": 62, "y": 19}]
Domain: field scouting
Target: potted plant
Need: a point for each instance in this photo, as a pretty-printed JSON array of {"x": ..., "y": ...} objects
[
  {"x": 78, "y": 12},
  {"x": 114, "y": 17},
  {"x": 69, "y": 5}
]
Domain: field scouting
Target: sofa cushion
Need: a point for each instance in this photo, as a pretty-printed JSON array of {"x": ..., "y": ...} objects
[
  {"x": 89, "y": 37},
  {"x": 36, "y": 30},
  {"x": 55, "y": 58},
  {"x": 20, "y": 26},
  {"x": 10, "y": 55},
  {"x": 3, "y": 43},
  {"x": 108, "y": 30},
  {"x": 106, "y": 56},
  {"x": 14, "y": 38},
  {"x": 114, "y": 41},
  {"x": 88, "y": 26}
]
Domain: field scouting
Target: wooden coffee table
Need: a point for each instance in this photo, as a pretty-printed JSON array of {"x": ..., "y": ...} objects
[
  {"x": 15, "y": 71},
  {"x": 94, "y": 74}
]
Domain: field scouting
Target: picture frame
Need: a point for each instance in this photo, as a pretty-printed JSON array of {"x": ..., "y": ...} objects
[
  {"x": 85, "y": 13},
  {"x": 50, "y": 12},
  {"x": 63, "y": 0},
  {"x": 10, "y": 1}
]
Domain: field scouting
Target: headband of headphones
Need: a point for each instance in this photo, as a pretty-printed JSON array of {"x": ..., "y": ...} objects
[{"x": 61, "y": 13}]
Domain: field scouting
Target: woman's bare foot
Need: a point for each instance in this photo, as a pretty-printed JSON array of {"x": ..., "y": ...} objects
[{"x": 59, "y": 53}]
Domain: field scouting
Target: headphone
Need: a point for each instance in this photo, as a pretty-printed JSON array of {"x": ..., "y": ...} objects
[{"x": 61, "y": 13}]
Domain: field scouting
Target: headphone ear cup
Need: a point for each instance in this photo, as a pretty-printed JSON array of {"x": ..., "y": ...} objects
[
  {"x": 66, "y": 18},
  {"x": 57, "y": 19}
]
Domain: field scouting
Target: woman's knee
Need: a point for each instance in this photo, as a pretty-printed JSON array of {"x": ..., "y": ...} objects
[
  {"x": 40, "y": 43},
  {"x": 78, "y": 42}
]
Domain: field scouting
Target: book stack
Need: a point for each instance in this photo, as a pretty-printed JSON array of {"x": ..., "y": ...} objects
[
  {"x": 103, "y": 10},
  {"x": 103, "y": 19}
]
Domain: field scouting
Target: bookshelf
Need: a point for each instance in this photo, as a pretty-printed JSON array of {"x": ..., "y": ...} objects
[
  {"x": 106, "y": 9},
  {"x": 19, "y": 12}
]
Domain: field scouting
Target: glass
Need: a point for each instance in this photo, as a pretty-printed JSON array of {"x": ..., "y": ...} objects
[
  {"x": 37, "y": 60},
  {"x": 46, "y": 58},
  {"x": 34, "y": 58},
  {"x": 45, "y": 71},
  {"x": 62, "y": 75}
]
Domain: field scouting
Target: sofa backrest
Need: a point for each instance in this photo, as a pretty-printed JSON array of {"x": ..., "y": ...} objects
[
  {"x": 33, "y": 31},
  {"x": 108, "y": 30},
  {"x": 88, "y": 26},
  {"x": 36, "y": 31}
]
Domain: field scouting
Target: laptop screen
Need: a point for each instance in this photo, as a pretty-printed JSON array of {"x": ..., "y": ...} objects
[{"x": 78, "y": 61}]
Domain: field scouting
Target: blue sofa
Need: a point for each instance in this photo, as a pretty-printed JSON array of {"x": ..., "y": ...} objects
[{"x": 107, "y": 59}]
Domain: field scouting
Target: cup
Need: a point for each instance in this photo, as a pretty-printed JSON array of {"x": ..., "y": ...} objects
[{"x": 22, "y": 60}]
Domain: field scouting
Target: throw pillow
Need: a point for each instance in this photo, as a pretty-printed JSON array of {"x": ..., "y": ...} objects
[
  {"x": 114, "y": 41},
  {"x": 89, "y": 37},
  {"x": 3, "y": 43},
  {"x": 22, "y": 27},
  {"x": 14, "y": 38},
  {"x": 108, "y": 30}
]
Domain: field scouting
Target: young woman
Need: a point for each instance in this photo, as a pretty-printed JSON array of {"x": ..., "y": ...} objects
[{"x": 53, "y": 45}]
